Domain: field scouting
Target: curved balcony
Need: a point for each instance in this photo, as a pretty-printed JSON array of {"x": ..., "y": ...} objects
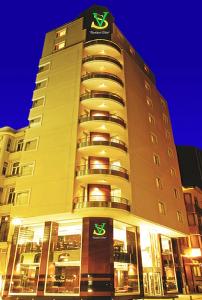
[
  {"x": 101, "y": 46},
  {"x": 102, "y": 63},
  {"x": 97, "y": 201},
  {"x": 102, "y": 169},
  {"x": 102, "y": 81},
  {"x": 103, "y": 100},
  {"x": 111, "y": 143},
  {"x": 110, "y": 118}
]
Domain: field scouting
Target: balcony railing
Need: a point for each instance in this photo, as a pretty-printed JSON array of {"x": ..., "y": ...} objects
[
  {"x": 104, "y": 42},
  {"x": 102, "y": 58},
  {"x": 102, "y": 201},
  {"x": 102, "y": 169},
  {"x": 110, "y": 118},
  {"x": 112, "y": 143},
  {"x": 106, "y": 95},
  {"x": 103, "y": 75}
]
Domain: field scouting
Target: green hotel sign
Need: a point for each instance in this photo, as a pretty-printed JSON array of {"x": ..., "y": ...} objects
[
  {"x": 100, "y": 21},
  {"x": 99, "y": 231}
]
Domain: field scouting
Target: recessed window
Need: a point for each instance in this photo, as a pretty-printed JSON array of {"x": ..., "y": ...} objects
[
  {"x": 41, "y": 84},
  {"x": 176, "y": 193},
  {"x": 149, "y": 101},
  {"x": 19, "y": 145},
  {"x": 172, "y": 172},
  {"x": 15, "y": 168},
  {"x": 31, "y": 145},
  {"x": 179, "y": 216},
  {"x": 38, "y": 102},
  {"x": 147, "y": 88},
  {"x": 27, "y": 169},
  {"x": 11, "y": 195},
  {"x": 132, "y": 51},
  {"x": 146, "y": 68},
  {"x": 162, "y": 210},
  {"x": 170, "y": 152},
  {"x": 165, "y": 119},
  {"x": 167, "y": 134},
  {"x": 4, "y": 169},
  {"x": 44, "y": 67},
  {"x": 158, "y": 183},
  {"x": 59, "y": 46},
  {"x": 35, "y": 122},
  {"x": 151, "y": 119},
  {"x": 163, "y": 103},
  {"x": 9, "y": 144},
  {"x": 61, "y": 33},
  {"x": 154, "y": 138},
  {"x": 22, "y": 198},
  {"x": 156, "y": 159}
]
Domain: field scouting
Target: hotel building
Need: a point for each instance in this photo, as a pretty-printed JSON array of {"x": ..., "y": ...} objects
[{"x": 91, "y": 199}]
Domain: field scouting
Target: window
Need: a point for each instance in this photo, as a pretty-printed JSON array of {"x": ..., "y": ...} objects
[
  {"x": 163, "y": 103},
  {"x": 4, "y": 169},
  {"x": 19, "y": 145},
  {"x": 170, "y": 152},
  {"x": 176, "y": 194},
  {"x": 8, "y": 148},
  {"x": 156, "y": 159},
  {"x": 59, "y": 46},
  {"x": 172, "y": 172},
  {"x": 44, "y": 67},
  {"x": 161, "y": 208},
  {"x": 61, "y": 33},
  {"x": 151, "y": 119},
  {"x": 165, "y": 119},
  {"x": 148, "y": 88},
  {"x": 31, "y": 145},
  {"x": 41, "y": 84},
  {"x": 38, "y": 102},
  {"x": 154, "y": 138},
  {"x": 158, "y": 183},
  {"x": 179, "y": 216},
  {"x": 146, "y": 68},
  {"x": 149, "y": 101},
  {"x": 22, "y": 198},
  {"x": 4, "y": 228},
  {"x": 196, "y": 271},
  {"x": 15, "y": 169},
  {"x": 35, "y": 122},
  {"x": 167, "y": 134},
  {"x": 27, "y": 169},
  {"x": 11, "y": 195}
]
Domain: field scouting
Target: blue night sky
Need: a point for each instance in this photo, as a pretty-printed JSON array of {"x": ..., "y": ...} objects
[{"x": 167, "y": 34}]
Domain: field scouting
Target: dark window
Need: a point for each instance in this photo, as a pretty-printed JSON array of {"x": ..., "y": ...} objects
[{"x": 4, "y": 228}]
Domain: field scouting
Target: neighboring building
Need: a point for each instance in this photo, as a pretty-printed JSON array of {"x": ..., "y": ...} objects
[
  {"x": 93, "y": 192},
  {"x": 190, "y": 163}
]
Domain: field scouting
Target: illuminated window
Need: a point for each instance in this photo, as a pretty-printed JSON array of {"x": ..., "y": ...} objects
[
  {"x": 149, "y": 101},
  {"x": 38, "y": 102},
  {"x": 31, "y": 145},
  {"x": 179, "y": 216},
  {"x": 156, "y": 159},
  {"x": 61, "y": 33},
  {"x": 161, "y": 208},
  {"x": 147, "y": 88},
  {"x": 44, "y": 67},
  {"x": 158, "y": 183},
  {"x": 146, "y": 68},
  {"x": 27, "y": 169},
  {"x": 35, "y": 122},
  {"x": 59, "y": 46},
  {"x": 22, "y": 198},
  {"x": 153, "y": 138},
  {"x": 4, "y": 169},
  {"x": 15, "y": 169},
  {"x": 41, "y": 84},
  {"x": 151, "y": 119},
  {"x": 172, "y": 172},
  {"x": 19, "y": 145}
]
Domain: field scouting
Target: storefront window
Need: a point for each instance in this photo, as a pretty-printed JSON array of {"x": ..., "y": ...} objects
[
  {"x": 125, "y": 259},
  {"x": 64, "y": 260},
  {"x": 27, "y": 260}
]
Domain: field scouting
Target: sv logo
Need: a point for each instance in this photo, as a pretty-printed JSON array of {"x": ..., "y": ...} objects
[
  {"x": 99, "y": 229},
  {"x": 101, "y": 22}
]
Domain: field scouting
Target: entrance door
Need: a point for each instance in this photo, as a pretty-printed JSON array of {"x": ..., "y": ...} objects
[{"x": 152, "y": 284}]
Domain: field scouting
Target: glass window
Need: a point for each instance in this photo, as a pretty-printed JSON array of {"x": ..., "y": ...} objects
[
  {"x": 149, "y": 101},
  {"x": 31, "y": 145},
  {"x": 9, "y": 143},
  {"x": 161, "y": 208},
  {"x": 125, "y": 259},
  {"x": 38, "y": 102},
  {"x": 19, "y": 145},
  {"x": 4, "y": 169},
  {"x": 172, "y": 172},
  {"x": 170, "y": 152},
  {"x": 61, "y": 33},
  {"x": 4, "y": 228},
  {"x": 176, "y": 194},
  {"x": 41, "y": 84},
  {"x": 27, "y": 260},
  {"x": 147, "y": 88},
  {"x": 59, "y": 46},
  {"x": 35, "y": 122},
  {"x": 15, "y": 169},
  {"x": 151, "y": 119},
  {"x": 165, "y": 119},
  {"x": 11, "y": 195},
  {"x": 64, "y": 260},
  {"x": 154, "y": 138},
  {"x": 158, "y": 183},
  {"x": 27, "y": 169},
  {"x": 44, "y": 67},
  {"x": 156, "y": 159},
  {"x": 22, "y": 198}
]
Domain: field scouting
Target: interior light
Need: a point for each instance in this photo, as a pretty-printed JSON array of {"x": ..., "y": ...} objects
[
  {"x": 102, "y": 85},
  {"x": 17, "y": 221}
]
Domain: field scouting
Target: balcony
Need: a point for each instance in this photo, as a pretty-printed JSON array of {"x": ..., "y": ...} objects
[
  {"x": 102, "y": 47},
  {"x": 102, "y": 100},
  {"x": 102, "y": 63},
  {"x": 111, "y": 143},
  {"x": 97, "y": 201},
  {"x": 102, "y": 81}
]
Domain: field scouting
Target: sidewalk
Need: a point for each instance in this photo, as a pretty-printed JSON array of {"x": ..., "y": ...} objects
[{"x": 190, "y": 297}]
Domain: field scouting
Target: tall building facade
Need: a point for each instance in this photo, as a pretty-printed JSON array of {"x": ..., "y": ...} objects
[{"x": 91, "y": 200}]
